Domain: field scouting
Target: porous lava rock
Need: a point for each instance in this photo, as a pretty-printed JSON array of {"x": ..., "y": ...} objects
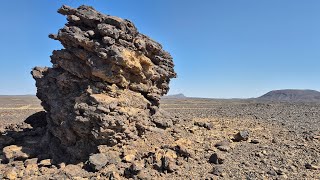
[{"x": 104, "y": 87}]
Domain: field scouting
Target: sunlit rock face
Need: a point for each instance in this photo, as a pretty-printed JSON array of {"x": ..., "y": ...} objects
[{"x": 104, "y": 87}]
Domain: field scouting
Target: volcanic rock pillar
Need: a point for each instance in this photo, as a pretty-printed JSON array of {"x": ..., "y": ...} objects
[{"x": 105, "y": 85}]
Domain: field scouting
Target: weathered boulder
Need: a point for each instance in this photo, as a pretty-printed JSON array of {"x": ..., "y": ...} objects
[{"x": 105, "y": 85}]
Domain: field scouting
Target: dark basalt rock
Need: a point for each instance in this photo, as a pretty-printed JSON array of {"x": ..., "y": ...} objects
[
  {"x": 104, "y": 86},
  {"x": 241, "y": 136}
]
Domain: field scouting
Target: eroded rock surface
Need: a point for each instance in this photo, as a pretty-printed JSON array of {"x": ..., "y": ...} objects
[{"x": 104, "y": 87}]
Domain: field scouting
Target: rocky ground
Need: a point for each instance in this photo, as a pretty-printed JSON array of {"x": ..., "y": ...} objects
[
  {"x": 15, "y": 109},
  {"x": 210, "y": 139}
]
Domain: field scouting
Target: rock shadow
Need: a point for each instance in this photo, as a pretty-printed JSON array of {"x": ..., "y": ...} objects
[{"x": 29, "y": 139}]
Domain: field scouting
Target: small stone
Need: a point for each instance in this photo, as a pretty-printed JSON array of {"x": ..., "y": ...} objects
[
  {"x": 184, "y": 151},
  {"x": 264, "y": 152},
  {"x": 280, "y": 171},
  {"x": 272, "y": 173},
  {"x": 98, "y": 161},
  {"x": 217, "y": 170},
  {"x": 62, "y": 165},
  {"x": 129, "y": 158},
  {"x": 192, "y": 130},
  {"x": 258, "y": 154},
  {"x": 204, "y": 124},
  {"x": 293, "y": 168},
  {"x": 224, "y": 148},
  {"x": 15, "y": 152},
  {"x": 209, "y": 126},
  {"x": 311, "y": 166},
  {"x": 47, "y": 170},
  {"x": 182, "y": 148},
  {"x": 241, "y": 136},
  {"x": 168, "y": 164},
  {"x": 217, "y": 158},
  {"x": 255, "y": 141},
  {"x": 45, "y": 162},
  {"x": 30, "y": 161},
  {"x": 129, "y": 155}
]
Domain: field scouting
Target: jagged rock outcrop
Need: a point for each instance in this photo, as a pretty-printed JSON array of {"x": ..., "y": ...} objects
[{"x": 104, "y": 87}]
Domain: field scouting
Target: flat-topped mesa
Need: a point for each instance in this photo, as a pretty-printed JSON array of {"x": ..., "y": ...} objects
[{"x": 105, "y": 85}]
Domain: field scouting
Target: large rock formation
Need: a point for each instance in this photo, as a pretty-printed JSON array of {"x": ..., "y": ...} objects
[{"x": 104, "y": 87}]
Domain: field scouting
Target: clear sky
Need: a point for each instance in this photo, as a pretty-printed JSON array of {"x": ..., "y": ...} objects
[{"x": 221, "y": 48}]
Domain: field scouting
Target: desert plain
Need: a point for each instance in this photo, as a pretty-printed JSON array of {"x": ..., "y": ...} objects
[{"x": 225, "y": 139}]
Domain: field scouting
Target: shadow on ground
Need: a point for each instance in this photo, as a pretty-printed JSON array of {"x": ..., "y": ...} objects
[{"x": 23, "y": 141}]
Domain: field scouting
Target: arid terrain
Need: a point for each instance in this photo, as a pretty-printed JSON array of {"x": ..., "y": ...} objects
[
  {"x": 276, "y": 141},
  {"x": 15, "y": 109},
  {"x": 101, "y": 110}
]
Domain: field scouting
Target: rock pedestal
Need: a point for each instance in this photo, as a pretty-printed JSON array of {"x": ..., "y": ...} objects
[{"x": 104, "y": 87}]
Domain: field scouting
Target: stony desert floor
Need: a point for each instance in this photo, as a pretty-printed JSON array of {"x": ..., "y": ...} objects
[
  {"x": 217, "y": 139},
  {"x": 284, "y": 138},
  {"x": 15, "y": 109}
]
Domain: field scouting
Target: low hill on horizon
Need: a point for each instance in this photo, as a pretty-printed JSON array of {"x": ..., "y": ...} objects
[
  {"x": 175, "y": 96},
  {"x": 291, "y": 95}
]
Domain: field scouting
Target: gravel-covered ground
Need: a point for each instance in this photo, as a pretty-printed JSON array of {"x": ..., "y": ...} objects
[
  {"x": 15, "y": 109},
  {"x": 211, "y": 139},
  {"x": 288, "y": 135}
]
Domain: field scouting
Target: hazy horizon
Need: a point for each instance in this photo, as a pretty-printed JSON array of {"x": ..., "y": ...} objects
[{"x": 222, "y": 49}]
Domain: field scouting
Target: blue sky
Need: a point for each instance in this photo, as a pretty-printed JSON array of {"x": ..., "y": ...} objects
[{"x": 221, "y": 48}]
